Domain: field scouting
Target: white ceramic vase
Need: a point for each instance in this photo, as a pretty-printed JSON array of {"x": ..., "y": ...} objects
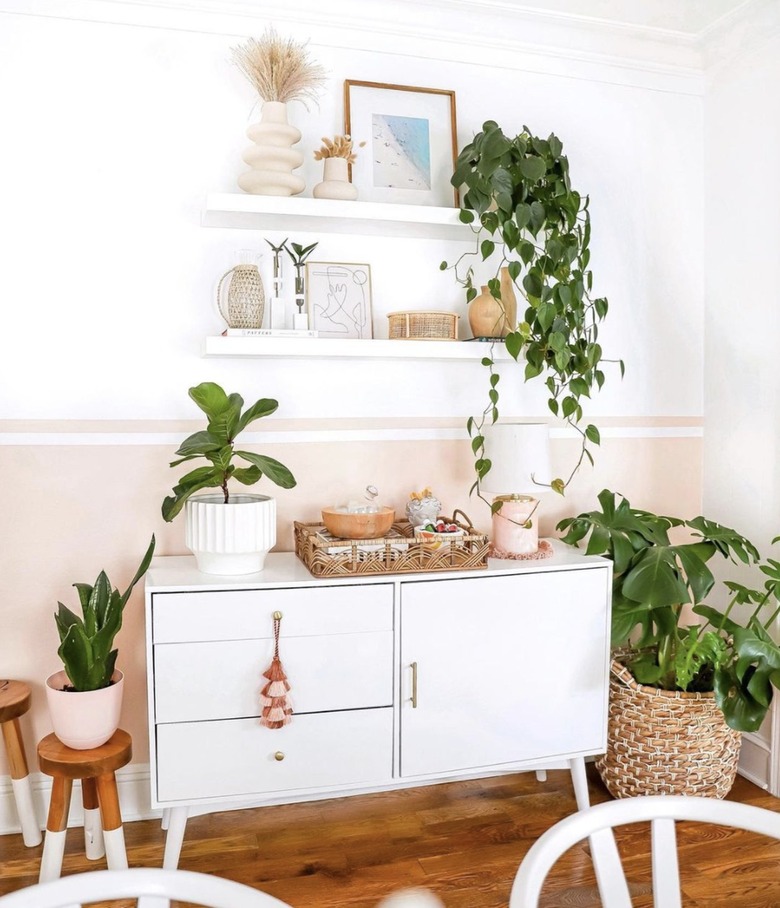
[
  {"x": 335, "y": 181},
  {"x": 84, "y": 719},
  {"x": 272, "y": 157},
  {"x": 231, "y": 538}
]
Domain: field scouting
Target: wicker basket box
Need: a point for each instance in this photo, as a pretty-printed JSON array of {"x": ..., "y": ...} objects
[
  {"x": 398, "y": 552},
  {"x": 422, "y": 325}
]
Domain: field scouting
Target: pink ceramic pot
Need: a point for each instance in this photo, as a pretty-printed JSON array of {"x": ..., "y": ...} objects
[{"x": 84, "y": 719}]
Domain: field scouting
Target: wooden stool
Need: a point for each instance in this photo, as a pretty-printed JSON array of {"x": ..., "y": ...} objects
[
  {"x": 95, "y": 768},
  {"x": 14, "y": 702}
]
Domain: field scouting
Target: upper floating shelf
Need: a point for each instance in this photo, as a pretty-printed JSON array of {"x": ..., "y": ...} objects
[{"x": 263, "y": 212}]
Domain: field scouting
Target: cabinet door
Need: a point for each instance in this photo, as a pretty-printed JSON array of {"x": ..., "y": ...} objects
[{"x": 508, "y": 669}]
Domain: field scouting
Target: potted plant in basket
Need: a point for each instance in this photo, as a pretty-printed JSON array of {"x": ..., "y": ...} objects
[
  {"x": 681, "y": 692},
  {"x": 521, "y": 204},
  {"x": 228, "y": 533},
  {"x": 85, "y": 699}
]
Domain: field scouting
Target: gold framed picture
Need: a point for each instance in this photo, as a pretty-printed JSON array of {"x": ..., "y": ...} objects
[{"x": 411, "y": 142}]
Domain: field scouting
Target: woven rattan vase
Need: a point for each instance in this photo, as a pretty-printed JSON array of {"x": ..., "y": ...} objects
[{"x": 665, "y": 742}]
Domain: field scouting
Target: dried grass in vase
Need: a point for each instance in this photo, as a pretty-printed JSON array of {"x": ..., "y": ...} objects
[
  {"x": 337, "y": 147},
  {"x": 280, "y": 68}
]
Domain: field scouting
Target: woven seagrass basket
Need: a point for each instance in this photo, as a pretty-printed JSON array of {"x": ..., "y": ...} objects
[
  {"x": 426, "y": 325},
  {"x": 665, "y": 742}
]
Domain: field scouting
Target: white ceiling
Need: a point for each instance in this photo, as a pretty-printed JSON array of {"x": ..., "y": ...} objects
[{"x": 691, "y": 17}]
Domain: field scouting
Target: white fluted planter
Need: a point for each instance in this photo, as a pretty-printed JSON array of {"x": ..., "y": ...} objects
[
  {"x": 84, "y": 719},
  {"x": 335, "y": 181},
  {"x": 231, "y": 538},
  {"x": 272, "y": 157}
]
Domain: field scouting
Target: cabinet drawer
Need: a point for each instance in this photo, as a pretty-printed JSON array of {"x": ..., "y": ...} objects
[
  {"x": 223, "y": 680},
  {"x": 247, "y": 614},
  {"x": 201, "y": 760}
]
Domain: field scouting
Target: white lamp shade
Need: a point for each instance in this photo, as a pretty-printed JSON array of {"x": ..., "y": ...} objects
[{"x": 520, "y": 457}]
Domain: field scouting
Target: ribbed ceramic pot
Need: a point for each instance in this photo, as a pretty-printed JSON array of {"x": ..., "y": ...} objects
[
  {"x": 272, "y": 157},
  {"x": 335, "y": 181},
  {"x": 84, "y": 719},
  {"x": 231, "y": 538}
]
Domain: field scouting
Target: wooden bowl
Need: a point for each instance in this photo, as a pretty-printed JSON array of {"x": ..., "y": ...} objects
[{"x": 358, "y": 526}]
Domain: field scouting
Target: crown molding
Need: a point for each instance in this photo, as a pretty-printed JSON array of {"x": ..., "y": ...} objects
[
  {"x": 488, "y": 32},
  {"x": 740, "y": 34}
]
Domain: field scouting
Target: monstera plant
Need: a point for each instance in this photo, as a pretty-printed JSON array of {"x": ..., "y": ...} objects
[
  {"x": 658, "y": 582},
  {"x": 529, "y": 220}
]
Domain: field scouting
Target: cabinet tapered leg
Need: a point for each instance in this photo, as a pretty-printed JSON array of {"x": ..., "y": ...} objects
[
  {"x": 177, "y": 823},
  {"x": 603, "y": 848}
]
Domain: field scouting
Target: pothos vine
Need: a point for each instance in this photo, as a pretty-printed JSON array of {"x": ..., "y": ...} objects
[{"x": 520, "y": 203}]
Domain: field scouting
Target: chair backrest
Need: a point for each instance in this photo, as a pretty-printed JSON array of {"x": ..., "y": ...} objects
[
  {"x": 662, "y": 812},
  {"x": 152, "y": 887}
]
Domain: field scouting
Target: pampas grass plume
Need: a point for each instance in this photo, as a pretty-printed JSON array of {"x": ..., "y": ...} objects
[{"x": 279, "y": 68}]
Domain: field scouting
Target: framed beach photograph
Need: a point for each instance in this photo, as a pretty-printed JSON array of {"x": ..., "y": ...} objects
[
  {"x": 411, "y": 142},
  {"x": 338, "y": 298}
]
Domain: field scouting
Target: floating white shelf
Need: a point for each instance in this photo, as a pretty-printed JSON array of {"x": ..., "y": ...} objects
[
  {"x": 329, "y": 348},
  {"x": 262, "y": 212}
]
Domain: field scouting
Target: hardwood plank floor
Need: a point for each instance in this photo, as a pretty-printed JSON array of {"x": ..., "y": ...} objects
[{"x": 463, "y": 841}]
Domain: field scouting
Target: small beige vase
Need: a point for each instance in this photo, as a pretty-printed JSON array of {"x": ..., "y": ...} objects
[
  {"x": 486, "y": 316},
  {"x": 335, "y": 181}
]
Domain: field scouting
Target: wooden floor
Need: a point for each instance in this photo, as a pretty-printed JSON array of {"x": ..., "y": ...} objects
[{"x": 463, "y": 841}]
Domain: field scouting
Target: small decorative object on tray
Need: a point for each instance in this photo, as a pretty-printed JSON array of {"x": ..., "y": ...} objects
[
  {"x": 422, "y": 508},
  {"x": 416, "y": 325},
  {"x": 545, "y": 550},
  {"x": 399, "y": 551}
]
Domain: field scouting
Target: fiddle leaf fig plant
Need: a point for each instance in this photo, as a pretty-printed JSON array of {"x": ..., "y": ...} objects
[
  {"x": 86, "y": 642},
  {"x": 528, "y": 219},
  {"x": 654, "y": 580},
  {"x": 216, "y": 444}
]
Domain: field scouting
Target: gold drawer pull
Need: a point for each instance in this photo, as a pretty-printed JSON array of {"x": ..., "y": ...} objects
[
  {"x": 414, "y": 685},
  {"x": 278, "y": 756}
]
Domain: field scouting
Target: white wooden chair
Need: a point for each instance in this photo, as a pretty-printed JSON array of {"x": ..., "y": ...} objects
[
  {"x": 662, "y": 812},
  {"x": 154, "y": 888}
]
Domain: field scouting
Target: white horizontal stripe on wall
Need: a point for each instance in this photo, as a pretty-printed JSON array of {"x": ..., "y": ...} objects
[{"x": 323, "y": 436}]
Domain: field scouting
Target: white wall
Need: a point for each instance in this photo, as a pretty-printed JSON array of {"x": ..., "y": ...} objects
[{"x": 741, "y": 484}]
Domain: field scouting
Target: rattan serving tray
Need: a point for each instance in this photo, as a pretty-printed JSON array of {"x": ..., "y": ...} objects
[{"x": 398, "y": 552}]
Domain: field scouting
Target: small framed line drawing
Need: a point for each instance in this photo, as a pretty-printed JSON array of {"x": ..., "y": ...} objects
[
  {"x": 411, "y": 138},
  {"x": 338, "y": 297}
]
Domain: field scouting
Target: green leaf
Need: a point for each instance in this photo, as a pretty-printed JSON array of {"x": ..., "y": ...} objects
[
  {"x": 466, "y": 216},
  {"x": 275, "y": 471},
  {"x": 558, "y": 485},
  {"x": 514, "y": 344},
  {"x": 532, "y": 168},
  {"x": 263, "y": 407},
  {"x": 654, "y": 579},
  {"x": 487, "y": 248},
  {"x": 593, "y": 435},
  {"x": 523, "y": 215},
  {"x": 198, "y": 443}
]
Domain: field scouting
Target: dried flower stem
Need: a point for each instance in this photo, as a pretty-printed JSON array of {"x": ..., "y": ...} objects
[
  {"x": 337, "y": 147},
  {"x": 279, "y": 68}
]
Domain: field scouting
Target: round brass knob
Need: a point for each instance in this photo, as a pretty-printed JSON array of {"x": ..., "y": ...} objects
[{"x": 278, "y": 756}]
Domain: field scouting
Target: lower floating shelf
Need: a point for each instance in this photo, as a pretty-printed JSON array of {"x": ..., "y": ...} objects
[{"x": 330, "y": 348}]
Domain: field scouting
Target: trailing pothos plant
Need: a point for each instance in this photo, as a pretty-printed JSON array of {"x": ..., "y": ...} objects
[
  {"x": 653, "y": 582},
  {"x": 520, "y": 203}
]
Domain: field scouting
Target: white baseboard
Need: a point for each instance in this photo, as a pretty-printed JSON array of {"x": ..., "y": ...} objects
[{"x": 132, "y": 785}]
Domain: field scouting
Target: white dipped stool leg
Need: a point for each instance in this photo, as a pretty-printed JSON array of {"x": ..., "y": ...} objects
[
  {"x": 31, "y": 828},
  {"x": 93, "y": 828},
  {"x": 20, "y": 783},
  {"x": 56, "y": 824},
  {"x": 113, "y": 834}
]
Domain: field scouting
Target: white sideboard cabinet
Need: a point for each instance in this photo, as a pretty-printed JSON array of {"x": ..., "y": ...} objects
[{"x": 397, "y": 679}]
